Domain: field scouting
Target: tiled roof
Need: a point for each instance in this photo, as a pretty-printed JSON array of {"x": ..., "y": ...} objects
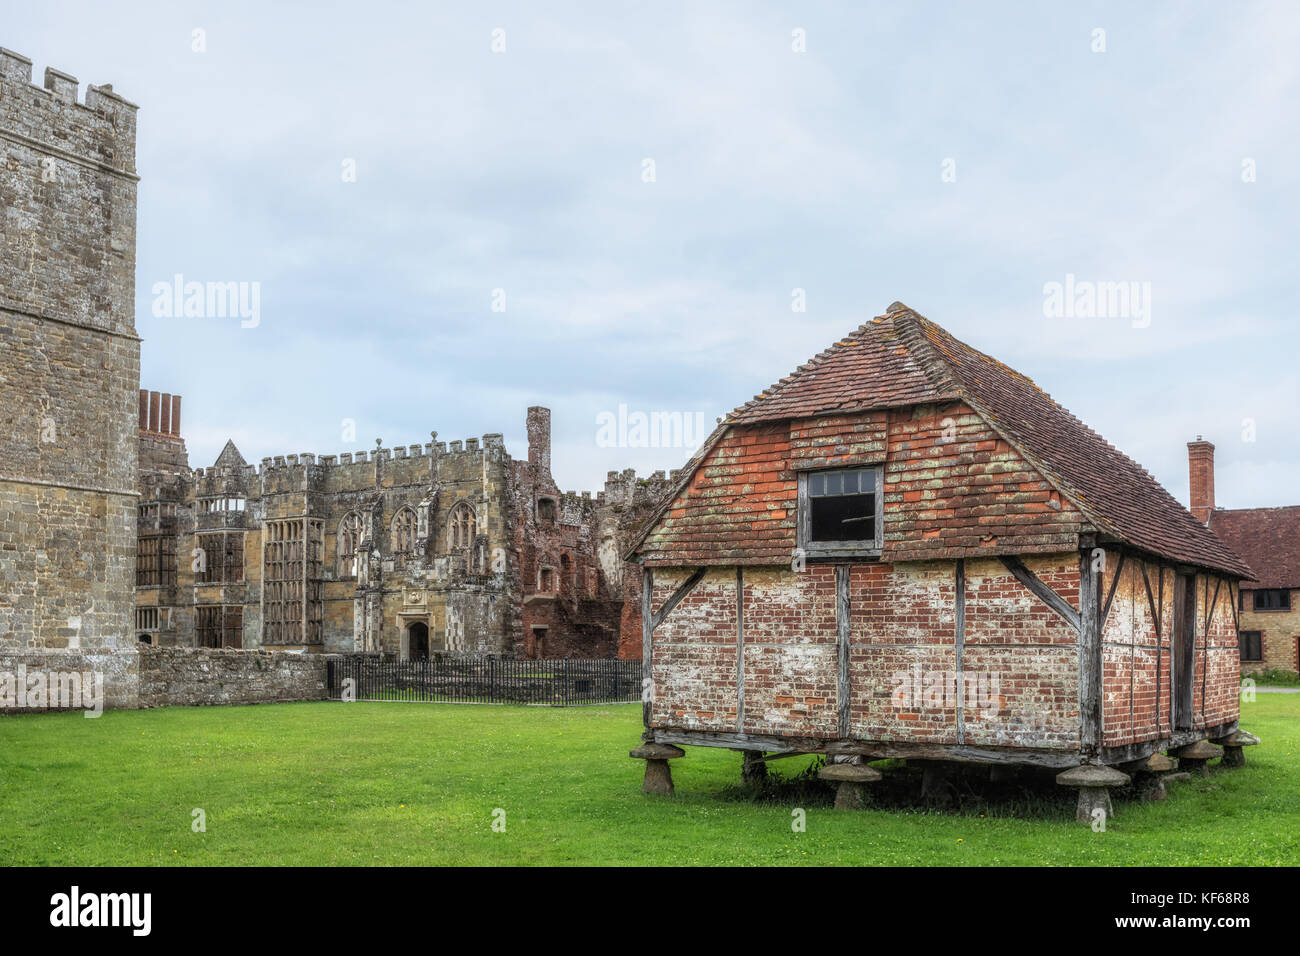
[
  {"x": 1115, "y": 492},
  {"x": 871, "y": 367},
  {"x": 1269, "y": 540},
  {"x": 902, "y": 358}
]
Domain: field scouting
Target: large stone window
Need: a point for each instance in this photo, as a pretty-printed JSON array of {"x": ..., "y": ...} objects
[
  {"x": 220, "y": 625},
  {"x": 349, "y": 543},
  {"x": 403, "y": 535},
  {"x": 155, "y": 562},
  {"x": 223, "y": 558},
  {"x": 293, "y": 610},
  {"x": 461, "y": 527}
]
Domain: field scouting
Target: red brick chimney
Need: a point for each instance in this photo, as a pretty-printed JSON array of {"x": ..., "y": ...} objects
[{"x": 1200, "y": 469}]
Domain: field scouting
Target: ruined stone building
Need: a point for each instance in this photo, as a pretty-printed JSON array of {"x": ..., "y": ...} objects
[
  {"x": 405, "y": 551},
  {"x": 68, "y": 376}
]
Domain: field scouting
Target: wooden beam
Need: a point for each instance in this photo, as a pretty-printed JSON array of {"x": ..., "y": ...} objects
[
  {"x": 843, "y": 686},
  {"x": 1110, "y": 595},
  {"x": 740, "y": 649},
  {"x": 777, "y": 746},
  {"x": 959, "y": 629},
  {"x": 686, "y": 588},
  {"x": 1090, "y": 669},
  {"x": 647, "y": 635},
  {"x": 1045, "y": 594}
]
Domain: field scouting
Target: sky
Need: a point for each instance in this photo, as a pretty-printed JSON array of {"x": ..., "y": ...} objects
[{"x": 451, "y": 212}]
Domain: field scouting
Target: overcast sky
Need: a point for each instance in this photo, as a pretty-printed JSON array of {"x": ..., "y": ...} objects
[{"x": 956, "y": 157}]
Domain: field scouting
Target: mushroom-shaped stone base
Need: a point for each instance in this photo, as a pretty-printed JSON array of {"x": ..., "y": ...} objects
[
  {"x": 1233, "y": 753},
  {"x": 1194, "y": 757},
  {"x": 658, "y": 777},
  {"x": 852, "y": 780},
  {"x": 1094, "y": 782}
]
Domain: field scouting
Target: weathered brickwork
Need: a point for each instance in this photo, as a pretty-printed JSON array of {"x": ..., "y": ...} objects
[
  {"x": 403, "y": 551},
  {"x": 69, "y": 373},
  {"x": 971, "y": 616},
  {"x": 1137, "y": 664},
  {"x": 693, "y": 665},
  {"x": 952, "y": 488}
]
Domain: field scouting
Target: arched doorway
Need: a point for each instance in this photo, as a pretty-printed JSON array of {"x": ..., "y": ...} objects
[{"x": 418, "y": 641}]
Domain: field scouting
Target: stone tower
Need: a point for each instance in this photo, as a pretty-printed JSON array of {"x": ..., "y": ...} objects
[{"x": 69, "y": 371}]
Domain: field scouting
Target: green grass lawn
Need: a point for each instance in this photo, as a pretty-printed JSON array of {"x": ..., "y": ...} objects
[{"x": 395, "y": 783}]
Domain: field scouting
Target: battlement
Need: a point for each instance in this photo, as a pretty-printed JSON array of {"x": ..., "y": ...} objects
[
  {"x": 624, "y": 489},
  {"x": 490, "y": 443},
  {"x": 101, "y": 131}
]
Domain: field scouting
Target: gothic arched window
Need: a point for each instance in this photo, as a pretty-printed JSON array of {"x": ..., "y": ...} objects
[
  {"x": 461, "y": 526},
  {"x": 403, "y": 537},
  {"x": 349, "y": 543}
]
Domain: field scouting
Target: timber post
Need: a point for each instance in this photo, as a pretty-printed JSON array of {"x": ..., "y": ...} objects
[
  {"x": 1094, "y": 783},
  {"x": 658, "y": 776},
  {"x": 753, "y": 768}
]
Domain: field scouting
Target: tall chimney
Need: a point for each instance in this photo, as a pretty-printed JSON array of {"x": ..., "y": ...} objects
[
  {"x": 1200, "y": 469},
  {"x": 539, "y": 439}
]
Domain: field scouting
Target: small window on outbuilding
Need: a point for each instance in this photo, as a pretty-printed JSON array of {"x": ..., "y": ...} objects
[
  {"x": 1251, "y": 645},
  {"x": 1272, "y": 599},
  {"x": 840, "y": 511}
]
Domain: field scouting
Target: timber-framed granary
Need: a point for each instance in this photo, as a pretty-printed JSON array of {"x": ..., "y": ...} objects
[{"x": 907, "y": 549}]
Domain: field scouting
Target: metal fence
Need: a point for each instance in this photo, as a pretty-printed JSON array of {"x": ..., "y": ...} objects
[{"x": 485, "y": 680}]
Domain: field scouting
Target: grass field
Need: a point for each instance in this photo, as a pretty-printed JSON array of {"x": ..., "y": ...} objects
[{"x": 380, "y": 783}]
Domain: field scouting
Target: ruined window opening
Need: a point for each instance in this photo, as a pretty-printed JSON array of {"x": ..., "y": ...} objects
[
  {"x": 349, "y": 543},
  {"x": 155, "y": 562},
  {"x": 461, "y": 527},
  {"x": 219, "y": 505},
  {"x": 403, "y": 535},
  {"x": 1272, "y": 599},
  {"x": 1251, "y": 644},
  {"x": 223, "y": 557},
  {"x": 546, "y": 580},
  {"x": 292, "y": 595},
  {"x": 546, "y": 509},
  {"x": 840, "y": 511},
  {"x": 219, "y": 625},
  {"x": 146, "y": 619}
]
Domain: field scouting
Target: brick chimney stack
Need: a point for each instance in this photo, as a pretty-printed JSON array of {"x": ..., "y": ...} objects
[
  {"x": 1200, "y": 468},
  {"x": 539, "y": 439}
]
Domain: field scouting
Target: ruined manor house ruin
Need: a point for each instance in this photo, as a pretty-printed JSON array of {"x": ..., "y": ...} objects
[{"x": 109, "y": 541}]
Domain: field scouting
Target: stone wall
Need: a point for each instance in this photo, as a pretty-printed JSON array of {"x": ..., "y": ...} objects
[
  {"x": 68, "y": 374},
  {"x": 187, "y": 677}
]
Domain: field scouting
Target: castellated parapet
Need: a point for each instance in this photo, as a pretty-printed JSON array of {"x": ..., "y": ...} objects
[{"x": 68, "y": 376}]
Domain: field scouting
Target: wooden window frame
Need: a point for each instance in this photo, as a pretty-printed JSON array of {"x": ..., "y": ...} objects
[
  {"x": 1281, "y": 608},
  {"x": 1242, "y": 645},
  {"x": 839, "y": 549}
]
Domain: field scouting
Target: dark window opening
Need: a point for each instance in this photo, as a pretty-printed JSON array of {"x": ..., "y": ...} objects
[
  {"x": 842, "y": 506},
  {"x": 1251, "y": 645},
  {"x": 1272, "y": 599}
]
